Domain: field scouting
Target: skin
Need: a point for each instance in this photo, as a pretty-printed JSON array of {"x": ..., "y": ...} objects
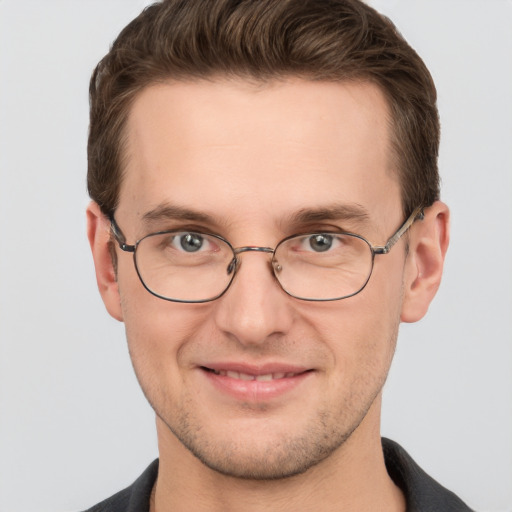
[{"x": 250, "y": 157}]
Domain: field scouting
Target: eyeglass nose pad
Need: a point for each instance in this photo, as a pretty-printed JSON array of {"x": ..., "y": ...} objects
[
  {"x": 233, "y": 265},
  {"x": 277, "y": 267}
]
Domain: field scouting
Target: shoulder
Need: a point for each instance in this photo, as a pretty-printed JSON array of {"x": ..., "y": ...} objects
[
  {"x": 134, "y": 498},
  {"x": 421, "y": 491}
]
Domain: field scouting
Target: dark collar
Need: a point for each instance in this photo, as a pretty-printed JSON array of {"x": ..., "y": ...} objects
[{"x": 422, "y": 493}]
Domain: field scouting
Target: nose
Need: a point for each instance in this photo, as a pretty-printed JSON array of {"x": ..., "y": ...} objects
[{"x": 255, "y": 308}]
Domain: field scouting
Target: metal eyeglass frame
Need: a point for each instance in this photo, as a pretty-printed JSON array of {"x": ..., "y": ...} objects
[{"x": 418, "y": 213}]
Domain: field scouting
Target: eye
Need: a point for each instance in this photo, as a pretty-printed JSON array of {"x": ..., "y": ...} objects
[
  {"x": 188, "y": 242},
  {"x": 320, "y": 242}
]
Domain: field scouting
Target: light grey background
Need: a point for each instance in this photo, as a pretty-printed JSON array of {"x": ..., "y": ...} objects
[{"x": 74, "y": 426}]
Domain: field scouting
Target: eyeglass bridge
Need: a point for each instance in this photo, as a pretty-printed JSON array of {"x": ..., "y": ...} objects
[{"x": 235, "y": 262}]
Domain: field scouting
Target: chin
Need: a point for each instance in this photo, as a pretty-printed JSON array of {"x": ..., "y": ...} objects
[
  {"x": 267, "y": 453},
  {"x": 254, "y": 463}
]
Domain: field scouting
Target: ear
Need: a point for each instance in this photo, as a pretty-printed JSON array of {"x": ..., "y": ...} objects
[
  {"x": 98, "y": 232},
  {"x": 428, "y": 243}
]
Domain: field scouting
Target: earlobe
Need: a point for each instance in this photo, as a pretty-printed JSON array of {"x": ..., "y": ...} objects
[
  {"x": 428, "y": 243},
  {"x": 98, "y": 233}
]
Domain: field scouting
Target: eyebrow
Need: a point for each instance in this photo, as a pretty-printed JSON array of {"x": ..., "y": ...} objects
[
  {"x": 168, "y": 211},
  {"x": 334, "y": 212}
]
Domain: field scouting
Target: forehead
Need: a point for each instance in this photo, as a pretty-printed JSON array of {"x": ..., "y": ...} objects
[{"x": 233, "y": 149}]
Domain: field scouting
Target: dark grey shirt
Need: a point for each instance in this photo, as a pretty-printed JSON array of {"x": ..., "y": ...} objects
[{"x": 422, "y": 493}]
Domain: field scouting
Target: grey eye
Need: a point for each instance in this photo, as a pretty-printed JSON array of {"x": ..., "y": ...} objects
[
  {"x": 320, "y": 242},
  {"x": 191, "y": 242}
]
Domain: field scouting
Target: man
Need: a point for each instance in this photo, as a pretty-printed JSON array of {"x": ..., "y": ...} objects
[{"x": 265, "y": 213}]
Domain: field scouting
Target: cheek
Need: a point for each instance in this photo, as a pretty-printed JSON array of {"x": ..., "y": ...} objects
[
  {"x": 158, "y": 328},
  {"x": 158, "y": 334},
  {"x": 156, "y": 331},
  {"x": 361, "y": 331},
  {"x": 380, "y": 316},
  {"x": 153, "y": 325}
]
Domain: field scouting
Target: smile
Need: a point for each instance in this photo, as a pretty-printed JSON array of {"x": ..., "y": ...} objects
[
  {"x": 247, "y": 376},
  {"x": 250, "y": 384}
]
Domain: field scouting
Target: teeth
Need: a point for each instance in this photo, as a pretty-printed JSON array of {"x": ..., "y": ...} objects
[
  {"x": 266, "y": 377},
  {"x": 246, "y": 376}
]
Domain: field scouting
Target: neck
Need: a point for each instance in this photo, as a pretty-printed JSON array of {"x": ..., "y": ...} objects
[{"x": 354, "y": 478}]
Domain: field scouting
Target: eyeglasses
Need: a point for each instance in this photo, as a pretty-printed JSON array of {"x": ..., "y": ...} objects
[{"x": 193, "y": 267}]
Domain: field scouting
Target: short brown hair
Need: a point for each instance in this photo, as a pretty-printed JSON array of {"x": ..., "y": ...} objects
[{"x": 320, "y": 40}]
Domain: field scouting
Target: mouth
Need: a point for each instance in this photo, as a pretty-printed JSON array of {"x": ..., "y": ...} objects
[
  {"x": 255, "y": 384},
  {"x": 265, "y": 377}
]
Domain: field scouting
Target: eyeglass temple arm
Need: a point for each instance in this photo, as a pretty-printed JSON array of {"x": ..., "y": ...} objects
[
  {"x": 416, "y": 214},
  {"x": 118, "y": 235}
]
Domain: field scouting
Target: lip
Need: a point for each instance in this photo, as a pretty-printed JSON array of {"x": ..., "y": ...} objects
[{"x": 255, "y": 383}]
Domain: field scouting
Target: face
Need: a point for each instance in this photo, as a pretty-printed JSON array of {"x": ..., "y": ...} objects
[{"x": 258, "y": 384}]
